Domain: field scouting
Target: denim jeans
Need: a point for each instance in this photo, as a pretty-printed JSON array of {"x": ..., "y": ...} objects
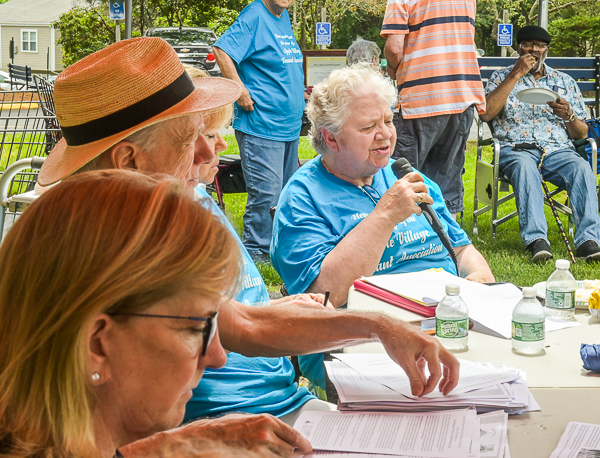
[
  {"x": 267, "y": 167},
  {"x": 435, "y": 145},
  {"x": 565, "y": 169}
]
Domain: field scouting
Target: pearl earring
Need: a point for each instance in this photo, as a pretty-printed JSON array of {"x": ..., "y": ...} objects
[{"x": 95, "y": 377}]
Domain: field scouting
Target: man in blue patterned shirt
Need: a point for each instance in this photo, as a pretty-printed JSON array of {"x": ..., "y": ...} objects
[{"x": 542, "y": 133}]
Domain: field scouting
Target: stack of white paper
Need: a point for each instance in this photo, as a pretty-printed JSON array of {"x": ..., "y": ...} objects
[
  {"x": 458, "y": 433},
  {"x": 372, "y": 381}
]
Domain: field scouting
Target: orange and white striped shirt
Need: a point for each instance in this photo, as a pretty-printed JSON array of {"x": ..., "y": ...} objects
[{"x": 438, "y": 73}]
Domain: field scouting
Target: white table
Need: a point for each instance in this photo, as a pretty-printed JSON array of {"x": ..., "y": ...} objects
[{"x": 565, "y": 391}]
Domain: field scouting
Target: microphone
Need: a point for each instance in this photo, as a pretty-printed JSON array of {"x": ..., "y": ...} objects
[{"x": 401, "y": 167}]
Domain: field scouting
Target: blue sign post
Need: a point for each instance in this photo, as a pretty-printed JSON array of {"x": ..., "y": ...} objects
[
  {"x": 505, "y": 34},
  {"x": 323, "y": 33},
  {"x": 117, "y": 10}
]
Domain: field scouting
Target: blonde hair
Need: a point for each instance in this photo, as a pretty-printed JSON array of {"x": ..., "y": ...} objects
[
  {"x": 328, "y": 107},
  {"x": 99, "y": 242},
  {"x": 217, "y": 118}
]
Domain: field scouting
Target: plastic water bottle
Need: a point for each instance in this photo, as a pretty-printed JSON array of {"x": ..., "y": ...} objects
[
  {"x": 528, "y": 324},
  {"x": 452, "y": 320},
  {"x": 560, "y": 292}
]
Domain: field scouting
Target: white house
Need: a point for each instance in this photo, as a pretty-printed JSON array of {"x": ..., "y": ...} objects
[{"x": 29, "y": 23}]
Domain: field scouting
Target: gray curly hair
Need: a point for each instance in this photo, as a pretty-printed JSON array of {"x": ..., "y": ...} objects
[
  {"x": 362, "y": 50},
  {"x": 328, "y": 106}
]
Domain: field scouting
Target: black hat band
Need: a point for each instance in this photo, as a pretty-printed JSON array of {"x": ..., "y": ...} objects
[{"x": 130, "y": 116}]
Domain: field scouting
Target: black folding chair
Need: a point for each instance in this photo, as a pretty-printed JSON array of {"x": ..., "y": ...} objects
[
  {"x": 45, "y": 90},
  {"x": 20, "y": 76},
  {"x": 229, "y": 179}
]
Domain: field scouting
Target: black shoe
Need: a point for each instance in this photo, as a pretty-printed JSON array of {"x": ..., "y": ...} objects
[
  {"x": 589, "y": 251},
  {"x": 260, "y": 258},
  {"x": 540, "y": 250}
]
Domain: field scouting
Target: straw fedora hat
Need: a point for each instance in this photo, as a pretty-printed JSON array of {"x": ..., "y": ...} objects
[{"x": 109, "y": 95}]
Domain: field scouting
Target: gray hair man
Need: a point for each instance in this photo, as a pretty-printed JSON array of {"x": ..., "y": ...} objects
[{"x": 362, "y": 50}]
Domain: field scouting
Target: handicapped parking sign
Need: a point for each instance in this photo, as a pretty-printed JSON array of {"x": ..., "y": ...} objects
[
  {"x": 323, "y": 33},
  {"x": 116, "y": 10},
  {"x": 505, "y": 34}
]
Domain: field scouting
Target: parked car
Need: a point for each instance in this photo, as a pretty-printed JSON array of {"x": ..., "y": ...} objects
[
  {"x": 4, "y": 81},
  {"x": 192, "y": 44}
]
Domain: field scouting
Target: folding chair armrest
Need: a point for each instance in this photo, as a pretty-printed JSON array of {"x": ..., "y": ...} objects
[
  {"x": 34, "y": 163},
  {"x": 486, "y": 141},
  {"x": 496, "y": 158},
  {"x": 594, "y": 147}
]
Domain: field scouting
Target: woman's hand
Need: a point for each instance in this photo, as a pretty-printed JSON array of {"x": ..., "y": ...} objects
[
  {"x": 400, "y": 201},
  {"x": 304, "y": 300}
]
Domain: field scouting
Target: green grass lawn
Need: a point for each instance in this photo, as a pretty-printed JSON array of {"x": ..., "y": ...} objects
[{"x": 507, "y": 258}]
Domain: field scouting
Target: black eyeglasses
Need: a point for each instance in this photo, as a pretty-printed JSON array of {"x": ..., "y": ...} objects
[
  {"x": 208, "y": 332},
  {"x": 534, "y": 44}
]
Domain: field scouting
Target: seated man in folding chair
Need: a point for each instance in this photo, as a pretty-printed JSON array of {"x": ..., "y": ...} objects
[{"x": 536, "y": 141}]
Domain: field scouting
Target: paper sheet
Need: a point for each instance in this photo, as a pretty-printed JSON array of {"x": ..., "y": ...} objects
[
  {"x": 488, "y": 440},
  {"x": 380, "y": 368},
  {"x": 493, "y": 434},
  {"x": 445, "y": 434},
  {"x": 580, "y": 440}
]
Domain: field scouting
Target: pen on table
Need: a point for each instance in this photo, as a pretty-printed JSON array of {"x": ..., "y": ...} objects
[{"x": 326, "y": 298}]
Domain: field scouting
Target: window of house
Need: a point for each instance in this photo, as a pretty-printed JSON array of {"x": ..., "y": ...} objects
[{"x": 29, "y": 40}]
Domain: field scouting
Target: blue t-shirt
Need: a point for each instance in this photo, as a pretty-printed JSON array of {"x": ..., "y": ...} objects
[
  {"x": 254, "y": 385},
  {"x": 316, "y": 210},
  {"x": 269, "y": 63}
]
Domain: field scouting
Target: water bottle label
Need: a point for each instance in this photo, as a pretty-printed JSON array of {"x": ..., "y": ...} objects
[
  {"x": 528, "y": 332},
  {"x": 560, "y": 300},
  {"x": 452, "y": 329}
]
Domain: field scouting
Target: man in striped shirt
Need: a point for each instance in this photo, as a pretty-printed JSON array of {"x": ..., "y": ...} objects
[{"x": 430, "y": 52}]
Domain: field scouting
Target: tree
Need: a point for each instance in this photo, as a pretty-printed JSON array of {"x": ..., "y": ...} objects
[
  {"x": 576, "y": 36},
  {"x": 82, "y": 32},
  {"x": 308, "y": 13},
  {"x": 525, "y": 12}
]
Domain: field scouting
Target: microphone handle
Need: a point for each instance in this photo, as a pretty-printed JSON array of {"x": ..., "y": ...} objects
[{"x": 437, "y": 227}]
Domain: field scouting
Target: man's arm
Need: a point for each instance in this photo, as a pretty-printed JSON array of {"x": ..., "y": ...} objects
[
  {"x": 280, "y": 331},
  {"x": 577, "y": 128},
  {"x": 496, "y": 99},
  {"x": 472, "y": 265},
  {"x": 228, "y": 69},
  {"x": 393, "y": 52}
]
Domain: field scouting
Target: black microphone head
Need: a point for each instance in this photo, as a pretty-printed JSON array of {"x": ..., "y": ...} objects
[{"x": 401, "y": 167}]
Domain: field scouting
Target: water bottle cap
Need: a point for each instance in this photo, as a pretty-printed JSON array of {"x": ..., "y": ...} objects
[
  {"x": 529, "y": 291},
  {"x": 452, "y": 288},
  {"x": 562, "y": 264}
]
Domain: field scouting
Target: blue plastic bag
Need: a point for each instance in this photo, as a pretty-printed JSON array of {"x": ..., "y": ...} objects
[
  {"x": 593, "y": 132},
  {"x": 590, "y": 354}
]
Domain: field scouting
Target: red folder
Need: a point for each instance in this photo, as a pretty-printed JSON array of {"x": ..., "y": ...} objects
[{"x": 393, "y": 299}]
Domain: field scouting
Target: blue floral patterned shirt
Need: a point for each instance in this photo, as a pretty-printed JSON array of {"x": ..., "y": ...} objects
[{"x": 521, "y": 122}]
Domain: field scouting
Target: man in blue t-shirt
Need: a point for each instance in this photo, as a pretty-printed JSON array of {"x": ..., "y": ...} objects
[{"x": 260, "y": 52}]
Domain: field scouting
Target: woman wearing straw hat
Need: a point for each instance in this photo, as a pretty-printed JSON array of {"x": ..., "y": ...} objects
[
  {"x": 117, "y": 320},
  {"x": 139, "y": 75}
]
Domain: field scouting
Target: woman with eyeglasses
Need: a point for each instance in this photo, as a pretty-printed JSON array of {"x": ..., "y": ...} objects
[
  {"x": 345, "y": 214},
  {"x": 109, "y": 296}
]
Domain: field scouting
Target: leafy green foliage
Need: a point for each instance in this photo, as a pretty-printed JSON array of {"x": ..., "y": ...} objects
[
  {"x": 572, "y": 24},
  {"x": 83, "y": 32},
  {"x": 355, "y": 24},
  {"x": 577, "y": 36},
  {"x": 221, "y": 20}
]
